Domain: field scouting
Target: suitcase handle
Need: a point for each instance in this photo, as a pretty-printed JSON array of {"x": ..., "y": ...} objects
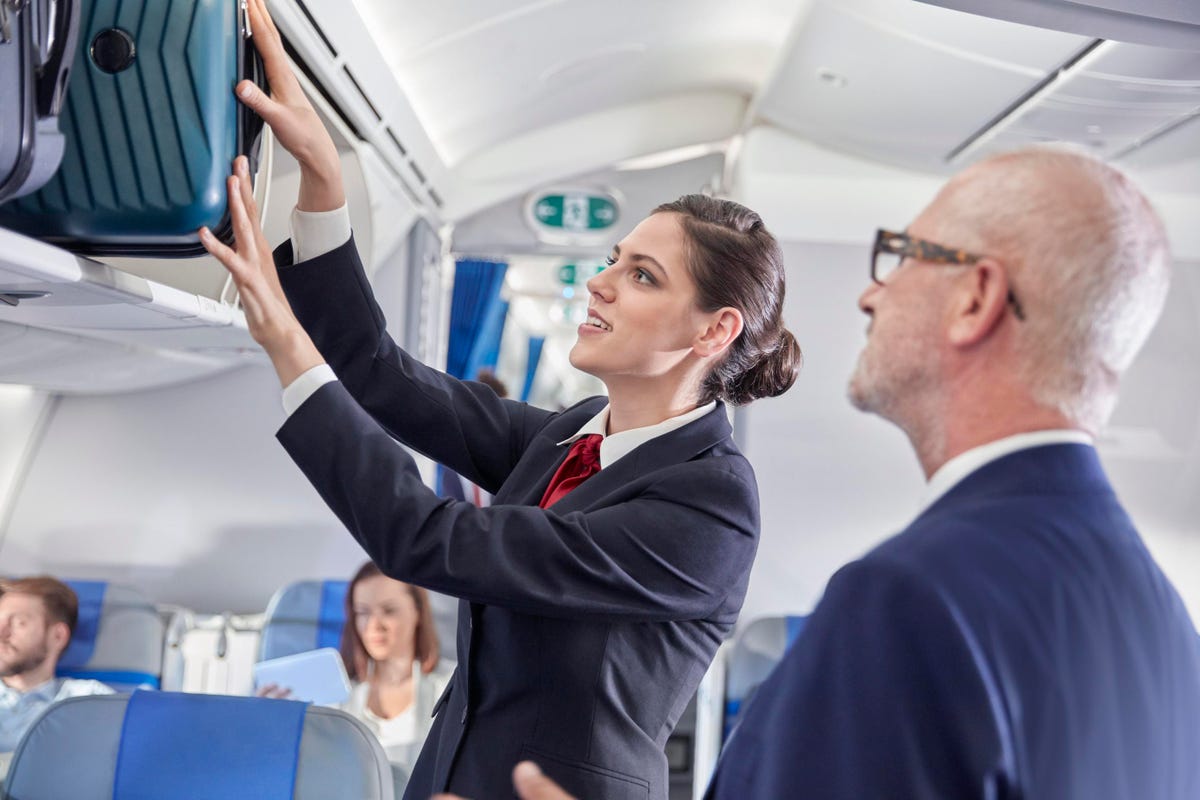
[
  {"x": 54, "y": 74},
  {"x": 8, "y": 17},
  {"x": 249, "y": 121}
]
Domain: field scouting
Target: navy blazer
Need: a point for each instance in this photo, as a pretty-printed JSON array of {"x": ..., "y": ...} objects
[
  {"x": 1016, "y": 641},
  {"x": 584, "y": 629}
]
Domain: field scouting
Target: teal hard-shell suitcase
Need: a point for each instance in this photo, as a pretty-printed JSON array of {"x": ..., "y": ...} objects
[{"x": 152, "y": 127}]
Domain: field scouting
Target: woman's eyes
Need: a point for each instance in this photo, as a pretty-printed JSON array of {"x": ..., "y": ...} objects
[
  {"x": 639, "y": 275},
  {"x": 385, "y": 611}
]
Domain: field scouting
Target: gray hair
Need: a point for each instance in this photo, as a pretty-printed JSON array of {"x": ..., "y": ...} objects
[{"x": 1086, "y": 255}]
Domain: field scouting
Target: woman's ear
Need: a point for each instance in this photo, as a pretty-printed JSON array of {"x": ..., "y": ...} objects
[{"x": 724, "y": 326}]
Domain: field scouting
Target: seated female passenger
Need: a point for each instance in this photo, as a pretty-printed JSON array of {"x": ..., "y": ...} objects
[{"x": 390, "y": 647}]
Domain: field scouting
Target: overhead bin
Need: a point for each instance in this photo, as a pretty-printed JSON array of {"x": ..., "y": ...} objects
[
  {"x": 71, "y": 364},
  {"x": 81, "y": 326},
  {"x": 74, "y": 324}
]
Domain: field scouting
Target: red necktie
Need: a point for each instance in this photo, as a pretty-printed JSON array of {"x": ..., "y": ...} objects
[{"x": 583, "y": 461}]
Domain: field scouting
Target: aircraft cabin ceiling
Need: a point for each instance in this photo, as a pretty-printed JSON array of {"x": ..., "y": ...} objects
[
  {"x": 482, "y": 72},
  {"x": 527, "y": 92}
]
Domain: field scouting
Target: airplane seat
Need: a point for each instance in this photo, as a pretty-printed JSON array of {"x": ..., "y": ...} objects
[
  {"x": 304, "y": 615},
  {"x": 168, "y": 744},
  {"x": 307, "y": 615},
  {"x": 118, "y": 638},
  {"x": 757, "y": 649}
]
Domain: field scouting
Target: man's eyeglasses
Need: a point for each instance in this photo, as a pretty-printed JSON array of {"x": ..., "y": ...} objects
[{"x": 891, "y": 249}]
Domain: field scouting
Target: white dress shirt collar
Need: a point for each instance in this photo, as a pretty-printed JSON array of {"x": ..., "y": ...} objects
[
  {"x": 962, "y": 465},
  {"x": 622, "y": 444}
]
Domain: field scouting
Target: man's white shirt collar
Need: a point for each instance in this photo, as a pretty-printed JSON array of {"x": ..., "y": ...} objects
[
  {"x": 962, "y": 465},
  {"x": 622, "y": 444}
]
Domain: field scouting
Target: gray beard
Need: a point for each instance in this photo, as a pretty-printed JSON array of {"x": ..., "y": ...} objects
[
  {"x": 26, "y": 664},
  {"x": 888, "y": 395}
]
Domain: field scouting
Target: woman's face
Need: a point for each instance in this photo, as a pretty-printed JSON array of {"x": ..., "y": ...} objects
[
  {"x": 386, "y": 617},
  {"x": 642, "y": 314}
]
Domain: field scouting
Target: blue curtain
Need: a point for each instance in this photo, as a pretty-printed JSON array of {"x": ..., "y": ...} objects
[
  {"x": 476, "y": 317},
  {"x": 447, "y": 483},
  {"x": 487, "y": 351},
  {"x": 531, "y": 364}
]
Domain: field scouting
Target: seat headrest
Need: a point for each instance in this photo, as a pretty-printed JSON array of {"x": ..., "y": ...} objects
[
  {"x": 83, "y": 640},
  {"x": 118, "y": 639},
  {"x": 164, "y": 744},
  {"x": 305, "y": 615}
]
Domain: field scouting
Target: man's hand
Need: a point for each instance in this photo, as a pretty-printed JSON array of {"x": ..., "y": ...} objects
[{"x": 530, "y": 784}]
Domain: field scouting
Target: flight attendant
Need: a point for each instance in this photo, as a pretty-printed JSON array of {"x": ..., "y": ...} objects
[{"x": 615, "y": 557}]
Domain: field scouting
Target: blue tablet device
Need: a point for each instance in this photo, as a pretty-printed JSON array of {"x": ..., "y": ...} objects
[{"x": 314, "y": 676}]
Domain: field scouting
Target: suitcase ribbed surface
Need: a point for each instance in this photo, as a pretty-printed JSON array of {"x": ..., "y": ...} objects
[{"x": 148, "y": 148}]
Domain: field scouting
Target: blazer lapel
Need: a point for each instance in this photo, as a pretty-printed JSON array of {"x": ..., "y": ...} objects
[
  {"x": 675, "y": 447},
  {"x": 542, "y": 458}
]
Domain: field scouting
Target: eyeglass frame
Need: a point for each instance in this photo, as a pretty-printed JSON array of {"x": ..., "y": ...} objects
[{"x": 905, "y": 246}]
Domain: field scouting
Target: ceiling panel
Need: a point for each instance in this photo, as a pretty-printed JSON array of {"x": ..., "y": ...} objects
[
  {"x": 1172, "y": 161},
  {"x": 1126, "y": 98},
  {"x": 1163, "y": 23},
  {"x": 478, "y": 73},
  {"x": 905, "y": 82}
]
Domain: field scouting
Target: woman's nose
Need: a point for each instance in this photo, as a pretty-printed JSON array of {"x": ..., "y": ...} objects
[{"x": 600, "y": 285}]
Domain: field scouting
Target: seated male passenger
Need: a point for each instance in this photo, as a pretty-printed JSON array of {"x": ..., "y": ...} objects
[{"x": 37, "y": 619}]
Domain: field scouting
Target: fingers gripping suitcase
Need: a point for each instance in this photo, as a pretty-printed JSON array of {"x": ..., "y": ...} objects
[
  {"x": 152, "y": 127},
  {"x": 37, "y": 46}
]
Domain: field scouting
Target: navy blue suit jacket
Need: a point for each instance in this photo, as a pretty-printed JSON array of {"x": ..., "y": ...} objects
[
  {"x": 1016, "y": 641},
  {"x": 585, "y": 628}
]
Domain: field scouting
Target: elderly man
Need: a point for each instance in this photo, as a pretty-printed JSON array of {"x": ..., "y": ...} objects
[
  {"x": 1016, "y": 640},
  {"x": 37, "y": 618}
]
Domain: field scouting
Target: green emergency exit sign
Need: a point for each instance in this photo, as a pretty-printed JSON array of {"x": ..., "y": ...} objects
[{"x": 575, "y": 212}]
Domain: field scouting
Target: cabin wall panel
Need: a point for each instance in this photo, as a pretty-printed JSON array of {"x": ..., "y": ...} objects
[
  {"x": 181, "y": 492},
  {"x": 23, "y": 414}
]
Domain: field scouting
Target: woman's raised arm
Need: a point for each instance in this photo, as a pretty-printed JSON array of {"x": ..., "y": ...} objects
[{"x": 299, "y": 130}]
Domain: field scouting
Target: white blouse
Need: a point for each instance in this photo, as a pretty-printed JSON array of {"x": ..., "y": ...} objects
[{"x": 403, "y": 734}]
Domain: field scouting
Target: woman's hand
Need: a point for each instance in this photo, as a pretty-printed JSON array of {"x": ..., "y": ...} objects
[
  {"x": 292, "y": 118},
  {"x": 249, "y": 261},
  {"x": 274, "y": 691}
]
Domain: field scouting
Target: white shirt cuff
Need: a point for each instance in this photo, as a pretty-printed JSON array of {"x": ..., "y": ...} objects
[
  {"x": 303, "y": 387},
  {"x": 315, "y": 233}
]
